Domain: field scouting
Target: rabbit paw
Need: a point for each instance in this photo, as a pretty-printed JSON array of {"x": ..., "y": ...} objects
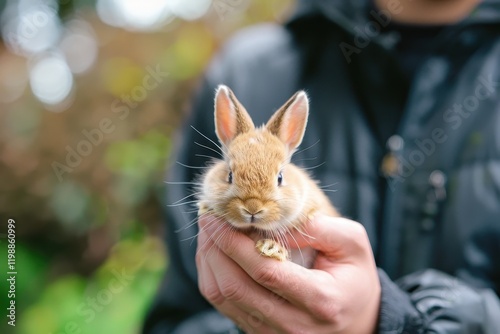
[{"x": 272, "y": 249}]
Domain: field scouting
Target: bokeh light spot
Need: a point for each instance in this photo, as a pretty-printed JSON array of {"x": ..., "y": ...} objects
[
  {"x": 189, "y": 10},
  {"x": 51, "y": 79},
  {"x": 79, "y": 46},
  {"x": 134, "y": 14},
  {"x": 30, "y": 27},
  {"x": 69, "y": 202}
]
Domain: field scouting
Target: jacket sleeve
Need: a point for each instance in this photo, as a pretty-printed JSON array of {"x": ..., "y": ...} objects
[{"x": 433, "y": 302}]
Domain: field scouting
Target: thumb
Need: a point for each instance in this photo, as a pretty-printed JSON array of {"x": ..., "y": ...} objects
[{"x": 334, "y": 236}]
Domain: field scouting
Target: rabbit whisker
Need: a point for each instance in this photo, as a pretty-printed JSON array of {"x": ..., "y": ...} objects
[
  {"x": 211, "y": 222},
  {"x": 313, "y": 167},
  {"x": 207, "y": 138},
  {"x": 305, "y": 149},
  {"x": 191, "y": 167},
  {"x": 306, "y": 159},
  {"x": 205, "y": 156},
  {"x": 190, "y": 211},
  {"x": 181, "y": 204},
  {"x": 188, "y": 196},
  {"x": 192, "y": 222},
  {"x": 209, "y": 148},
  {"x": 174, "y": 182},
  {"x": 329, "y": 185},
  {"x": 229, "y": 231},
  {"x": 304, "y": 234}
]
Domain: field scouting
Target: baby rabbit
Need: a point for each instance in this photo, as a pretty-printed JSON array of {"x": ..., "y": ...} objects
[{"x": 256, "y": 188}]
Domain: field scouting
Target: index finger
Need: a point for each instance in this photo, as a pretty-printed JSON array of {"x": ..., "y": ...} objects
[{"x": 286, "y": 279}]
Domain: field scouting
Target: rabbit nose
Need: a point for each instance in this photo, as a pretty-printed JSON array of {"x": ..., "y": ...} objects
[{"x": 253, "y": 207}]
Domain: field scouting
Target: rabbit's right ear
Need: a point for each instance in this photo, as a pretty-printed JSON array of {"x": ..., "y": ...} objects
[
  {"x": 231, "y": 118},
  {"x": 289, "y": 122}
]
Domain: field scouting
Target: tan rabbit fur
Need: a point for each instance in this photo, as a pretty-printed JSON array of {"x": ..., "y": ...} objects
[{"x": 255, "y": 187}]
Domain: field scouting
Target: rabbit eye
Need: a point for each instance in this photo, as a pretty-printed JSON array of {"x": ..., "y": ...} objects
[
  {"x": 230, "y": 177},
  {"x": 280, "y": 178}
]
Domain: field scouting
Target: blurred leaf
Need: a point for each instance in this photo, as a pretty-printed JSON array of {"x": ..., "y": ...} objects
[
  {"x": 129, "y": 191},
  {"x": 190, "y": 52},
  {"x": 99, "y": 211},
  {"x": 65, "y": 294},
  {"x": 38, "y": 319},
  {"x": 137, "y": 161},
  {"x": 121, "y": 75},
  {"x": 56, "y": 307},
  {"x": 30, "y": 264},
  {"x": 138, "y": 158},
  {"x": 134, "y": 230},
  {"x": 113, "y": 301}
]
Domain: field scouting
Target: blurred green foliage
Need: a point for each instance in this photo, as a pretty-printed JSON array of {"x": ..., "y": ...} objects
[
  {"x": 89, "y": 247},
  {"x": 112, "y": 300}
]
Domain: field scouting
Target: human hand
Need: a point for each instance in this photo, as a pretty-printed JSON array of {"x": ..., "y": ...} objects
[{"x": 340, "y": 294}]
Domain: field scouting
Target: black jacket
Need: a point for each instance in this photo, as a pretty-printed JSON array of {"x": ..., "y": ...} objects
[{"x": 431, "y": 207}]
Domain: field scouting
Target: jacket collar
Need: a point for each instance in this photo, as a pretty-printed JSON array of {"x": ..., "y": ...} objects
[{"x": 350, "y": 13}]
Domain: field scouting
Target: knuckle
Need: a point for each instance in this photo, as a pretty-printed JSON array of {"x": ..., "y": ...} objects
[
  {"x": 359, "y": 236},
  {"x": 268, "y": 275},
  {"x": 211, "y": 293},
  {"x": 358, "y": 229},
  {"x": 228, "y": 246},
  {"x": 224, "y": 243},
  {"x": 232, "y": 290},
  {"x": 327, "y": 312}
]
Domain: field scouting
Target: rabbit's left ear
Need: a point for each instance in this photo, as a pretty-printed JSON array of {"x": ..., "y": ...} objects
[{"x": 289, "y": 122}]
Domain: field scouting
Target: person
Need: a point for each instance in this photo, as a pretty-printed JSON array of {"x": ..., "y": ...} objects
[{"x": 405, "y": 122}]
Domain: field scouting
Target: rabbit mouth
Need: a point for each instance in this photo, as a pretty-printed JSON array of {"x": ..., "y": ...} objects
[
  {"x": 248, "y": 222},
  {"x": 252, "y": 222},
  {"x": 259, "y": 224},
  {"x": 253, "y": 218}
]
